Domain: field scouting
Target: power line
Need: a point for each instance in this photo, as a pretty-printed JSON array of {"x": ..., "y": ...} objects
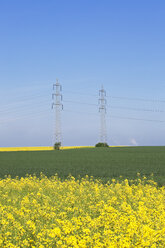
[
  {"x": 36, "y": 114},
  {"x": 85, "y": 103},
  {"x": 23, "y": 107},
  {"x": 116, "y": 117},
  {"x": 14, "y": 110},
  {"x": 31, "y": 104},
  {"x": 137, "y": 119},
  {"x": 138, "y": 109},
  {"x": 120, "y": 97},
  {"x": 119, "y": 107},
  {"x": 138, "y": 99},
  {"x": 79, "y": 112},
  {"x": 27, "y": 116},
  {"x": 34, "y": 97},
  {"x": 79, "y": 93},
  {"x": 24, "y": 100}
]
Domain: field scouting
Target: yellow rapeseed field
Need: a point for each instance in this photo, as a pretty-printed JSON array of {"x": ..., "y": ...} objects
[
  {"x": 39, "y": 148},
  {"x": 42, "y": 148},
  {"x": 48, "y": 212}
]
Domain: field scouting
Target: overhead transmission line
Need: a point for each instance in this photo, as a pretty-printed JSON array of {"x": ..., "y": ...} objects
[
  {"x": 85, "y": 103},
  {"x": 138, "y": 109},
  {"x": 23, "y": 107},
  {"x": 114, "y": 116},
  {"x": 138, "y": 99},
  {"x": 44, "y": 112},
  {"x": 91, "y": 104},
  {"x": 118, "y": 107},
  {"x": 136, "y": 119},
  {"x": 34, "y": 97},
  {"x": 29, "y": 104},
  {"x": 119, "y": 97},
  {"x": 24, "y": 100},
  {"x": 31, "y": 115}
]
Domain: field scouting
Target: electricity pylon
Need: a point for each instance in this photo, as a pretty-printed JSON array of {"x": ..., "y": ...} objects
[
  {"x": 102, "y": 111},
  {"x": 57, "y": 103}
]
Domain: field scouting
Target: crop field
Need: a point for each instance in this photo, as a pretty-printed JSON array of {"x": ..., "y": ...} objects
[
  {"x": 80, "y": 198},
  {"x": 48, "y": 212},
  {"x": 103, "y": 163}
]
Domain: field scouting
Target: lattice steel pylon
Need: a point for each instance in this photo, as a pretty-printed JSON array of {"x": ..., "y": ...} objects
[
  {"x": 57, "y": 97},
  {"x": 102, "y": 111}
]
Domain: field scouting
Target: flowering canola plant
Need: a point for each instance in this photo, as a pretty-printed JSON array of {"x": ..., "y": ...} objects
[
  {"x": 43, "y": 148},
  {"x": 48, "y": 212},
  {"x": 39, "y": 148}
]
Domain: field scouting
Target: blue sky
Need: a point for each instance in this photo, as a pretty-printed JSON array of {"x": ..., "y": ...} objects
[{"x": 84, "y": 44}]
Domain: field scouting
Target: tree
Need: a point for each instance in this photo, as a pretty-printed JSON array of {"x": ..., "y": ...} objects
[
  {"x": 101, "y": 145},
  {"x": 57, "y": 146}
]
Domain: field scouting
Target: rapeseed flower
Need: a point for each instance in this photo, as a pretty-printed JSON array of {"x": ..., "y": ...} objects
[{"x": 48, "y": 212}]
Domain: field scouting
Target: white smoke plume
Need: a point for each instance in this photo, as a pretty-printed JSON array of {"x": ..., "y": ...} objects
[{"x": 133, "y": 142}]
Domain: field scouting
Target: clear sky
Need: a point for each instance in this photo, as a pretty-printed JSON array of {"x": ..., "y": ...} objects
[{"x": 83, "y": 43}]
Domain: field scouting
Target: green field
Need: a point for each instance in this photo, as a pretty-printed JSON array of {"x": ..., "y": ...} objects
[{"x": 104, "y": 163}]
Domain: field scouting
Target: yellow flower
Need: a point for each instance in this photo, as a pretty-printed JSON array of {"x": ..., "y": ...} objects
[{"x": 48, "y": 212}]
